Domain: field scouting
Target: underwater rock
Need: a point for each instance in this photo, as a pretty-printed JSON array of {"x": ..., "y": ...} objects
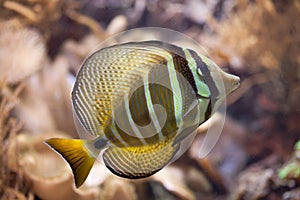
[{"x": 46, "y": 103}]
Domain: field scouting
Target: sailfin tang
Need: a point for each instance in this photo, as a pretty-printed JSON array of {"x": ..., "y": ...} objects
[
  {"x": 139, "y": 162},
  {"x": 77, "y": 156}
]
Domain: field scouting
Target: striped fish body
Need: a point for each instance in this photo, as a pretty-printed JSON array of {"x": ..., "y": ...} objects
[
  {"x": 140, "y": 100},
  {"x": 120, "y": 86}
]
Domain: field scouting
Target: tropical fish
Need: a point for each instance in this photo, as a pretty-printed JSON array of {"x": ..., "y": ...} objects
[{"x": 140, "y": 101}]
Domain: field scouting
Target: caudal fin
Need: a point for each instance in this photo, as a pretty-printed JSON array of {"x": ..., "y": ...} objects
[{"x": 77, "y": 156}]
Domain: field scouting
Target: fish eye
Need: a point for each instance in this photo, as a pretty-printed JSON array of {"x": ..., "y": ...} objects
[
  {"x": 199, "y": 70},
  {"x": 199, "y": 96},
  {"x": 199, "y": 73}
]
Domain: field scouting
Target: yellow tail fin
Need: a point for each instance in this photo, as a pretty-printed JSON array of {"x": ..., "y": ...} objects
[{"x": 77, "y": 156}]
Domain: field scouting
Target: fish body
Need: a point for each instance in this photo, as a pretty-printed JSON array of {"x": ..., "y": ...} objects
[{"x": 140, "y": 100}]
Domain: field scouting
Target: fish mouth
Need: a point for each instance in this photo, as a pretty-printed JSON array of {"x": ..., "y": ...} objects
[{"x": 235, "y": 82}]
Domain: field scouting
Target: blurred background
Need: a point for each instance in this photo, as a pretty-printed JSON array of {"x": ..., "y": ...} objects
[{"x": 43, "y": 43}]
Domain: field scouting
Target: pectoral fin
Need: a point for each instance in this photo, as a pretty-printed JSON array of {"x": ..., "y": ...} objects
[
  {"x": 185, "y": 133},
  {"x": 139, "y": 162}
]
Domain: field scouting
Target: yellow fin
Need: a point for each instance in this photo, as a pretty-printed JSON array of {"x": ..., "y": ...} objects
[
  {"x": 139, "y": 162},
  {"x": 77, "y": 156}
]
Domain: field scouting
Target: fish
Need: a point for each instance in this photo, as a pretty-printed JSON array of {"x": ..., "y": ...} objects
[{"x": 139, "y": 101}]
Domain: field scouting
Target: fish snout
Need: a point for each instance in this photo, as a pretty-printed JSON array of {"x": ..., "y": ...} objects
[
  {"x": 235, "y": 82},
  {"x": 231, "y": 82}
]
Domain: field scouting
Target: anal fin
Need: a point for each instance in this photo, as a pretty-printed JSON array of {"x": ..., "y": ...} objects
[{"x": 139, "y": 162}]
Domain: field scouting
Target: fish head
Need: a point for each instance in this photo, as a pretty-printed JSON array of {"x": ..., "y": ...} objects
[
  {"x": 226, "y": 83},
  {"x": 220, "y": 83}
]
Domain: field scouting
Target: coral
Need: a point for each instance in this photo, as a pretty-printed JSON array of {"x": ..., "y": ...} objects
[{"x": 11, "y": 181}]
